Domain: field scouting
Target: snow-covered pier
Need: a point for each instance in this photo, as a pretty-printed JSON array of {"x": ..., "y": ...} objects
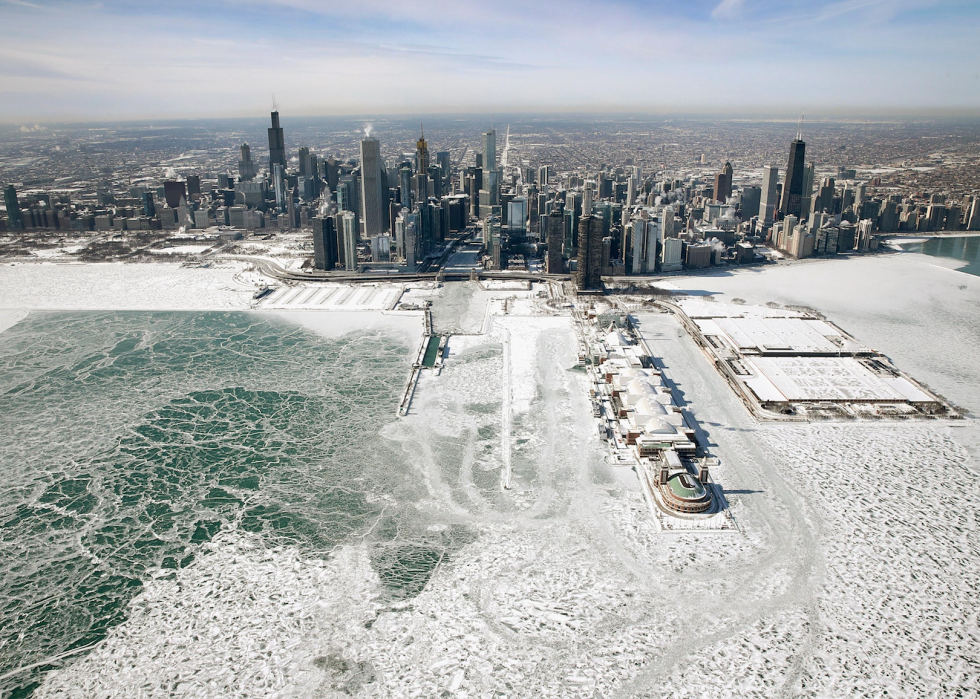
[{"x": 646, "y": 429}]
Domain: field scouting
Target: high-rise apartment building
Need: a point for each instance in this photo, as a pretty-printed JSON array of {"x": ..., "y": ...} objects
[{"x": 588, "y": 272}]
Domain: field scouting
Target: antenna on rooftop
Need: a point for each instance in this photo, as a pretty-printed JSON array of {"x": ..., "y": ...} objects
[
  {"x": 799, "y": 134},
  {"x": 274, "y": 108}
]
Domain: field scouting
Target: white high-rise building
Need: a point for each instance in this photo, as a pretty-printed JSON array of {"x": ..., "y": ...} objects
[
  {"x": 647, "y": 236},
  {"x": 768, "y": 201},
  {"x": 670, "y": 258},
  {"x": 667, "y": 222},
  {"x": 371, "y": 195},
  {"x": 349, "y": 223}
]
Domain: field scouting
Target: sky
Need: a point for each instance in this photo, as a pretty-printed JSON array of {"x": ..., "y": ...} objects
[{"x": 225, "y": 58}]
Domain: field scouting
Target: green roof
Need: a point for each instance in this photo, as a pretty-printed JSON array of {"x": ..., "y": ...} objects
[{"x": 679, "y": 486}]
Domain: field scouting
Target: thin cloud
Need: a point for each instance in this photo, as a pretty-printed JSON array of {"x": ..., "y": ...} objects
[{"x": 728, "y": 9}]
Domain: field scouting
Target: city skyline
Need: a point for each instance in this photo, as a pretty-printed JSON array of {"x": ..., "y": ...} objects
[{"x": 435, "y": 57}]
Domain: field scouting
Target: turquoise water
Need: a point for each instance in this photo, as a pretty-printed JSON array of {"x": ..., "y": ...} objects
[
  {"x": 130, "y": 439},
  {"x": 960, "y": 247}
]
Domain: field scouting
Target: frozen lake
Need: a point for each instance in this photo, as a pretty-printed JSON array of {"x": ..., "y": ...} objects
[{"x": 380, "y": 557}]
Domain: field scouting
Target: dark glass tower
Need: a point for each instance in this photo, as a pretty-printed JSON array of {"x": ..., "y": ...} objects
[
  {"x": 792, "y": 203},
  {"x": 15, "y": 219},
  {"x": 277, "y": 145}
]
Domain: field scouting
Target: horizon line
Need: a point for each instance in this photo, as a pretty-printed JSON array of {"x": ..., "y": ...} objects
[{"x": 777, "y": 114}]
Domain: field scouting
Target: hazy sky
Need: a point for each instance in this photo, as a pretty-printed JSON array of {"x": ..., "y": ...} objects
[{"x": 226, "y": 58}]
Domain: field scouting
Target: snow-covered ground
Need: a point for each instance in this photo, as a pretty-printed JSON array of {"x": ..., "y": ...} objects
[{"x": 855, "y": 572}]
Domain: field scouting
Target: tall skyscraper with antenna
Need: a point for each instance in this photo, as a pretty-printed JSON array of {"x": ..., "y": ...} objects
[
  {"x": 421, "y": 153},
  {"x": 277, "y": 144},
  {"x": 421, "y": 189},
  {"x": 792, "y": 202}
]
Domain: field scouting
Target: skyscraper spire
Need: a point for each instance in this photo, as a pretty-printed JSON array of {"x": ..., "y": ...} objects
[{"x": 799, "y": 133}]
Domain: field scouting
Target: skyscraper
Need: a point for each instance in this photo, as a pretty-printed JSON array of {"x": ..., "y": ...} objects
[
  {"x": 277, "y": 144},
  {"x": 767, "y": 204},
  {"x": 588, "y": 273},
  {"x": 349, "y": 224},
  {"x": 723, "y": 183},
  {"x": 806, "y": 199},
  {"x": 792, "y": 203},
  {"x": 174, "y": 191},
  {"x": 246, "y": 168},
  {"x": 324, "y": 242},
  {"x": 750, "y": 202},
  {"x": 491, "y": 176},
  {"x": 305, "y": 164},
  {"x": 15, "y": 219},
  {"x": 490, "y": 150},
  {"x": 445, "y": 164},
  {"x": 405, "y": 186},
  {"x": 371, "y": 187},
  {"x": 279, "y": 186},
  {"x": 421, "y": 155},
  {"x": 553, "y": 224},
  {"x": 193, "y": 185}
]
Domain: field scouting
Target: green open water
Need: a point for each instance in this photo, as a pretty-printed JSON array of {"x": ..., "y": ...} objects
[{"x": 129, "y": 439}]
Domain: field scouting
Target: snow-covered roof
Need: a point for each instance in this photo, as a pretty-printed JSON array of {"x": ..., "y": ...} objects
[{"x": 658, "y": 426}]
